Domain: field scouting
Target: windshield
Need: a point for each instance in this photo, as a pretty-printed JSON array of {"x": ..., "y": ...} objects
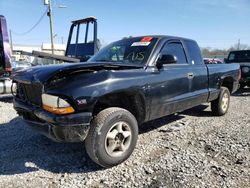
[
  {"x": 131, "y": 51},
  {"x": 239, "y": 56}
]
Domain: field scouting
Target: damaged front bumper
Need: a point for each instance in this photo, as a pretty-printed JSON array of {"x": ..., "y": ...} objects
[{"x": 61, "y": 128}]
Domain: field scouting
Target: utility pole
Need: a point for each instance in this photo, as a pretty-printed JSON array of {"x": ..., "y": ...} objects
[
  {"x": 11, "y": 44},
  {"x": 51, "y": 24},
  {"x": 238, "y": 44},
  {"x": 50, "y": 15}
]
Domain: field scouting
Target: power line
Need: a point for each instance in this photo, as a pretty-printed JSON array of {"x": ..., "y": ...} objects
[{"x": 33, "y": 27}]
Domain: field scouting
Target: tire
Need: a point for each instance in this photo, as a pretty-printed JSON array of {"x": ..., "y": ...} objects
[
  {"x": 248, "y": 84},
  {"x": 220, "y": 106},
  {"x": 112, "y": 137},
  {"x": 242, "y": 85}
]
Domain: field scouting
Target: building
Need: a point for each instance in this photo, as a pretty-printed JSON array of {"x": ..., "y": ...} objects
[{"x": 59, "y": 49}]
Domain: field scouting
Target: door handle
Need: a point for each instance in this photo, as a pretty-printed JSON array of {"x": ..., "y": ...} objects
[{"x": 190, "y": 75}]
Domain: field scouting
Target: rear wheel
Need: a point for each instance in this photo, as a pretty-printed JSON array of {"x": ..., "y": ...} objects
[
  {"x": 112, "y": 137},
  {"x": 242, "y": 85},
  {"x": 248, "y": 84},
  {"x": 221, "y": 104}
]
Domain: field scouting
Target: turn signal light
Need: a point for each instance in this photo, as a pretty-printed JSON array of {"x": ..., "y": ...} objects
[
  {"x": 54, "y": 110},
  {"x": 56, "y": 105}
]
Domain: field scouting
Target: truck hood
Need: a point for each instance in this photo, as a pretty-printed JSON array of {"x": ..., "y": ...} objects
[{"x": 43, "y": 74}]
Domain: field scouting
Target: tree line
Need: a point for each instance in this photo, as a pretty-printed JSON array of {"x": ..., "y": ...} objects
[{"x": 222, "y": 53}]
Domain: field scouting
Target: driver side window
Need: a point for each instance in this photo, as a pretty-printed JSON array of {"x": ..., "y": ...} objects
[{"x": 176, "y": 49}]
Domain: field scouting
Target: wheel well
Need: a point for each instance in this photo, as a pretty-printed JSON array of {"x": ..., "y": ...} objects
[
  {"x": 228, "y": 83},
  {"x": 133, "y": 102}
]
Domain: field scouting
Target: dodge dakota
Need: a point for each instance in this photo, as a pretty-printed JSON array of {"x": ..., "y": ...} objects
[{"x": 127, "y": 83}]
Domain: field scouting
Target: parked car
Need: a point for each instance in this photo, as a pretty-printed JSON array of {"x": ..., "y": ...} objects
[
  {"x": 17, "y": 65},
  {"x": 128, "y": 82},
  {"x": 212, "y": 61},
  {"x": 243, "y": 58}
]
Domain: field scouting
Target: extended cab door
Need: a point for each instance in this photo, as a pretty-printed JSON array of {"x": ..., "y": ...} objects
[
  {"x": 199, "y": 82},
  {"x": 171, "y": 92}
]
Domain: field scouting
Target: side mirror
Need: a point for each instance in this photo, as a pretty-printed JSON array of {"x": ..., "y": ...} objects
[
  {"x": 165, "y": 59},
  {"x": 225, "y": 60}
]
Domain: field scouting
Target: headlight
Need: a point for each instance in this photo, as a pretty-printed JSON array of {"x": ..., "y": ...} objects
[
  {"x": 56, "y": 105},
  {"x": 245, "y": 69}
]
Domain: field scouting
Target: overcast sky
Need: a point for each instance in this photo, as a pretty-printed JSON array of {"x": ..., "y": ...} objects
[{"x": 213, "y": 23}]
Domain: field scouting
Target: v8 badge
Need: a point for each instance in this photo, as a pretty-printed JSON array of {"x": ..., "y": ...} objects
[{"x": 81, "y": 101}]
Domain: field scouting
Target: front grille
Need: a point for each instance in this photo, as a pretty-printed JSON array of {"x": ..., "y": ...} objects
[
  {"x": 30, "y": 117},
  {"x": 30, "y": 93}
]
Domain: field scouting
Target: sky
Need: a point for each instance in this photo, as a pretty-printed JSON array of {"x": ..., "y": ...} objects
[{"x": 212, "y": 23}]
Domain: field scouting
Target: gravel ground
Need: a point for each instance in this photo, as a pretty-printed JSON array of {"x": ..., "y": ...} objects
[{"x": 190, "y": 149}]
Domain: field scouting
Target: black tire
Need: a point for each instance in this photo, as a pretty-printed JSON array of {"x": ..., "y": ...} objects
[
  {"x": 97, "y": 141},
  {"x": 218, "y": 106},
  {"x": 242, "y": 85}
]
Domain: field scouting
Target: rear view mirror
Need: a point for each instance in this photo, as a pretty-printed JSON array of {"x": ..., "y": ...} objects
[{"x": 166, "y": 59}]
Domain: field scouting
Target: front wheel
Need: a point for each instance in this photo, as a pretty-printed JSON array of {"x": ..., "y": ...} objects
[
  {"x": 112, "y": 137},
  {"x": 220, "y": 106}
]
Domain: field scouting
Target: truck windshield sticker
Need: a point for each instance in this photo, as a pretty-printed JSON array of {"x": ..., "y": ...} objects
[
  {"x": 146, "y": 39},
  {"x": 140, "y": 44}
]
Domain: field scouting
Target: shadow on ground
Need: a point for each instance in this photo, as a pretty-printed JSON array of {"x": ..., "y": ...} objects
[
  {"x": 242, "y": 92},
  {"x": 199, "y": 111},
  {"x": 152, "y": 125},
  {"x": 22, "y": 150}
]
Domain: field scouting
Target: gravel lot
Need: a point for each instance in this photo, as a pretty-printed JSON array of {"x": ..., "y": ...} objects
[{"x": 190, "y": 149}]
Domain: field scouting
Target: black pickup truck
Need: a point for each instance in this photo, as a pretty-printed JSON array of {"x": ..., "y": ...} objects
[
  {"x": 243, "y": 58},
  {"x": 128, "y": 82}
]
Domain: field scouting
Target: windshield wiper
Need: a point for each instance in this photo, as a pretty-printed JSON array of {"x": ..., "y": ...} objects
[
  {"x": 111, "y": 63},
  {"x": 104, "y": 60}
]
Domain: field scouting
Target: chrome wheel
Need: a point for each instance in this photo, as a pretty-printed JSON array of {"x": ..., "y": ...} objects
[
  {"x": 118, "y": 139},
  {"x": 225, "y": 101}
]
